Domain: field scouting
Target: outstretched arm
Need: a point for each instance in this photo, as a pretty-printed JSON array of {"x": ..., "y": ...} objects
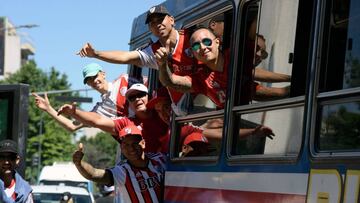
[
  {"x": 88, "y": 171},
  {"x": 88, "y": 118},
  {"x": 119, "y": 57},
  {"x": 264, "y": 75},
  {"x": 44, "y": 104},
  {"x": 166, "y": 77}
]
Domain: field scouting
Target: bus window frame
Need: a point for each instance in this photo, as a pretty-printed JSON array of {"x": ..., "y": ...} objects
[
  {"x": 269, "y": 105},
  {"x": 176, "y": 121}
]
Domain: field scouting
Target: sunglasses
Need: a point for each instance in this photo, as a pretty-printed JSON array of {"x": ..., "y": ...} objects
[
  {"x": 196, "y": 45},
  {"x": 133, "y": 97},
  {"x": 11, "y": 157}
]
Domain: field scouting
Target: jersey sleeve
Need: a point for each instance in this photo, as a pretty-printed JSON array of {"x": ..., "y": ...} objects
[{"x": 147, "y": 57}]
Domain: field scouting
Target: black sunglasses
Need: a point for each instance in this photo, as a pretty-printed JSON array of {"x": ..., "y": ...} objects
[
  {"x": 206, "y": 41},
  {"x": 133, "y": 97}
]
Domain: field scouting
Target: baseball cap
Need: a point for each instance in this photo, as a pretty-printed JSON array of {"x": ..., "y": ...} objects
[
  {"x": 159, "y": 9},
  {"x": 91, "y": 70},
  {"x": 195, "y": 137},
  {"x": 136, "y": 87},
  {"x": 129, "y": 130},
  {"x": 160, "y": 95},
  {"x": 8, "y": 146}
]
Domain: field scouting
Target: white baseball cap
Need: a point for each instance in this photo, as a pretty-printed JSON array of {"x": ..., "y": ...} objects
[{"x": 136, "y": 87}]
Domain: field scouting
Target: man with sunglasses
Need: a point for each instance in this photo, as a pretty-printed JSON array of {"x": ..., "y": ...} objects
[
  {"x": 154, "y": 129},
  {"x": 161, "y": 24},
  {"x": 13, "y": 188},
  {"x": 210, "y": 78},
  {"x": 113, "y": 101}
]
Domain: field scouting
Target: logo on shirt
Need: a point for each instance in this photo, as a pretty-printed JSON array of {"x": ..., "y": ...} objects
[{"x": 150, "y": 182}]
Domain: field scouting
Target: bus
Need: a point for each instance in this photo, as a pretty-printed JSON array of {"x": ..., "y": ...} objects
[
  {"x": 14, "y": 102},
  {"x": 315, "y": 153}
]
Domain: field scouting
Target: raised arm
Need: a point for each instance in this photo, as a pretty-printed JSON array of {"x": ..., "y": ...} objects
[
  {"x": 166, "y": 77},
  {"x": 264, "y": 75},
  {"x": 44, "y": 104},
  {"x": 88, "y": 171},
  {"x": 88, "y": 118},
  {"x": 119, "y": 57}
]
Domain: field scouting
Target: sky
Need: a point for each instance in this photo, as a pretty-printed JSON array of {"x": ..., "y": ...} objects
[{"x": 66, "y": 25}]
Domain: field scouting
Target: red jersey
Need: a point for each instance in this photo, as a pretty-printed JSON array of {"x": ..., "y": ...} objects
[{"x": 182, "y": 61}]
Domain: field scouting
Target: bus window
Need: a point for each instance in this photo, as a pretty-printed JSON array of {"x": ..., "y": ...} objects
[
  {"x": 200, "y": 138},
  {"x": 267, "y": 119},
  {"x": 339, "y": 127},
  {"x": 338, "y": 110},
  {"x": 268, "y": 50},
  {"x": 263, "y": 133}
]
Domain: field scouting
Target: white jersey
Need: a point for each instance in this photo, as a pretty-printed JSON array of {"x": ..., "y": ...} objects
[
  {"x": 140, "y": 184},
  {"x": 108, "y": 105}
]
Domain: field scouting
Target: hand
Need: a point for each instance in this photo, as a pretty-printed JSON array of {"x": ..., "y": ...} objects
[
  {"x": 163, "y": 53},
  {"x": 67, "y": 109},
  {"x": 87, "y": 51},
  {"x": 78, "y": 154},
  {"x": 262, "y": 131},
  {"x": 42, "y": 103}
]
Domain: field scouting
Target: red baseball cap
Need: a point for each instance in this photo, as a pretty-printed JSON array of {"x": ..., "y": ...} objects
[
  {"x": 161, "y": 94},
  {"x": 130, "y": 130},
  {"x": 195, "y": 137}
]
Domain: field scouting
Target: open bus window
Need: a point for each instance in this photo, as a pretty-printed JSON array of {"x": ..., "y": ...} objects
[
  {"x": 338, "y": 115},
  {"x": 263, "y": 133},
  {"x": 199, "y": 138},
  {"x": 268, "y": 50},
  {"x": 209, "y": 89}
]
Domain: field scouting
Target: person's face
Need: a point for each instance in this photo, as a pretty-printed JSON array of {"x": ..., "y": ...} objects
[
  {"x": 194, "y": 149},
  {"x": 137, "y": 101},
  {"x": 132, "y": 146},
  {"x": 261, "y": 53},
  {"x": 163, "y": 108},
  {"x": 217, "y": 28},
  {"x": 8, "y": 162},
  {"x": 161, "y": 25},
  {"x": 97, "y": 82},
  {"x": 205, "y": 46}
]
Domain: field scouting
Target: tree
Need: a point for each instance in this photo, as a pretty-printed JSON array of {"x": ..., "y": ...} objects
[
  {"x": 56, "y": 142},
  {"x": 100, "y": 150}
]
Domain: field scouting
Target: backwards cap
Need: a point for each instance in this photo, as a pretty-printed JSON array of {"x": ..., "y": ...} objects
[{"x": 159, "y": 9}]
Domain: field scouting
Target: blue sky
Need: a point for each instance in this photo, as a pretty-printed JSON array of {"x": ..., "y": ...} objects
[{"x": 64, "y": 26}]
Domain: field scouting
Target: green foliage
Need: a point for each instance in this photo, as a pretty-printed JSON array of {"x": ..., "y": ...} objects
[
  {"x": 55, "y": 141},
  {"x": 100, "y": 150}
]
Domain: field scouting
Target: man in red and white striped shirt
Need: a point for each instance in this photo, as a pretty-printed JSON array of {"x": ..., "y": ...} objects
[{"x": 139, "y": 179}]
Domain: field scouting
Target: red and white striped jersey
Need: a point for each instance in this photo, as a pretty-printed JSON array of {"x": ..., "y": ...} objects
[{"x": 140, "y": 184}]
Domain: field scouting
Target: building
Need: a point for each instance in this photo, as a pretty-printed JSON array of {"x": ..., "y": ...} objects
[{"x": 13, "y": 52}]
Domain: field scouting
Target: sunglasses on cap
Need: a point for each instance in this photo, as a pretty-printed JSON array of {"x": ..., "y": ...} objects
[
  {"x": 206, "y": 41},
  {"x": 133, "y": 97}
]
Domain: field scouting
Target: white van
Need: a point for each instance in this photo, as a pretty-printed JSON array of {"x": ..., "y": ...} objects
[
  {"x": 64, "y": 173},
  {"x": 54, "y": 193}
]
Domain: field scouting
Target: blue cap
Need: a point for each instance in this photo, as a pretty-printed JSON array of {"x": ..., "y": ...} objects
[{"x": 90, "y": 70}]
